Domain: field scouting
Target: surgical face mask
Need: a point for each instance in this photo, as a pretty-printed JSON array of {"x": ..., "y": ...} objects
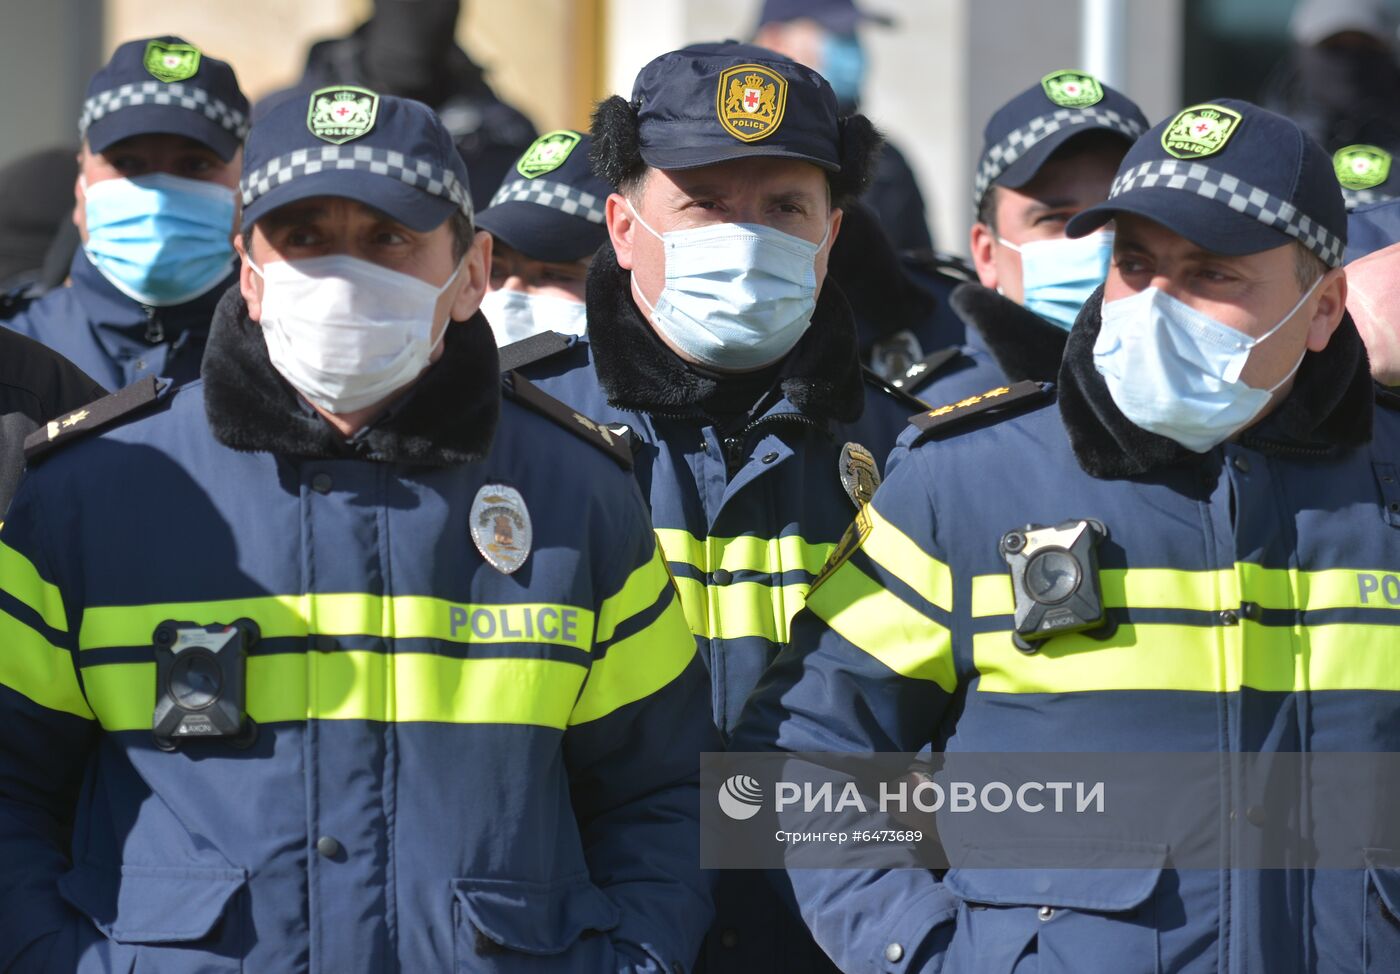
[
  {"x": 514, "y": 315},
  {"x": 1057, "y": 276},
  {"x": 1175, "y": 371},
  {"x": 843, "y": 66},
  {"x": 160, "y": 239},
  {"x": 347, "y": 333},
  {"x": 737, "y": 296}
]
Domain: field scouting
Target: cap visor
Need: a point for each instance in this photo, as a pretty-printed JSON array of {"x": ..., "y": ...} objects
[
  {"x": 542, "y": 233},
  {"x": 1206, "y": 223},
  {"x": 413, "y": 208},
  {"x": 845, "y": 20},
  {"x": 1024, "y": 169},
  {"x": 161, "y": 120},
  {"x": 693, "y": 157}
]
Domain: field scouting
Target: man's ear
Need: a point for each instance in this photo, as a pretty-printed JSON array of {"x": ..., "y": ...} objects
[
  {"x": 475, "y": 273},
  {"x": 980, "y": 241},
  {"x": 249, "y": 283},
  {"x": 622, "y": 228},
  {"x": 1331, "y": 306}
]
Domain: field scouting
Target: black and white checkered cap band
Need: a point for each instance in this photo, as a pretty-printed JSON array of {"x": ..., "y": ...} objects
[
  {"x": 417, "y": 173},
  {"x": 1193, "y": 177},
  {"x": 1000, "y": 156},
  {"x": 557, "y": 196},
  {"x": 159, "y": 93},
  {"x": 1360, "y": 197}
]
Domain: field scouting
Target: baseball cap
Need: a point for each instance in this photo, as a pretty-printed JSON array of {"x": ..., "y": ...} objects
[
  {"x": 711, "y": 103},
  {"x": 550, "y": 206},
  {"x": 1233, "y": 178},
  {"x": 1314, "y": 21},
  {"x": 164, "y": 85},
  {"x": 343, "y": 140},
  {"x": 1025, "y": 132},
  {"x": 837, "y": 16}
]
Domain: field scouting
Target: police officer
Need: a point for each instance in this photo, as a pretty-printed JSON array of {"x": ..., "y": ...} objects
[
  {"x": 348, "y": 678},
  {"x": 715, "y": 337},
  {"x": 1214, "y": 392},
  {"x": 1047, "y": 154},
  {"x": 161, "y": 128},
  {"x": 545, "y": 222}
]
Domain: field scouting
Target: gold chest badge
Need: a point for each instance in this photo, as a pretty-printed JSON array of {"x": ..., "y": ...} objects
[{"x": 750, "y": 101}]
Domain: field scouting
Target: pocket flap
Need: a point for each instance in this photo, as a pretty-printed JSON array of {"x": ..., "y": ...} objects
[
  {"x": 535, "y": 918},
  {"x": 152, "y": 904},
  {"x": 1106, "y": 890},
  {"x": 1383, "y": 867}
]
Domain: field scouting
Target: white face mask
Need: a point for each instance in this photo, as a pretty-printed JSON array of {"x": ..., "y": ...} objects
[
  {"x": 514, "y": 315},
  {"x": 737, "y": 295},
  {"x": 344, "y": 332},
  {"x": 1175, "y": 371}
]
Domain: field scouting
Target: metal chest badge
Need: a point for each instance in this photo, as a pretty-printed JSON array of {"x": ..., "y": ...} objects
[
  {"x": 859, "y": 474},
  {"x": 1361, "y": 166},
  {"x": 341, "y": 113},
  {"x": 1072, "y": 89},
  {"x": 750, "y": 101},
  {"x": 1201, "y": 130},
  {"x": 500, "y": 525},
  {"x": 171, "y": 62},
  {"x": 547, "y": 153}
]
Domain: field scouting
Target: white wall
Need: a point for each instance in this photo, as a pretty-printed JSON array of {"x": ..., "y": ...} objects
[{"x": 47, "y": 52}]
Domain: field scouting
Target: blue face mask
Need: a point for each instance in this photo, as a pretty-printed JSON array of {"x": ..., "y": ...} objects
[
  {"x": 843, "y": 66},
  {"x": 160, "y": 239},
  {"x": 738, "y": 296},
  {"x": 1057, "y": 276}
]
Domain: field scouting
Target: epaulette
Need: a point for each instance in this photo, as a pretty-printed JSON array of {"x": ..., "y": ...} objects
[
  {"x": 892, "y": 388},
  {"x": 530, "y": 350},
  {"x": 615, "y": 441},
  {"x": 91, "y": 418},
  {"x": 921, "y": 372},
  {"x": 1002, "y": 401},
  {"x": 1387, "y": 397}
]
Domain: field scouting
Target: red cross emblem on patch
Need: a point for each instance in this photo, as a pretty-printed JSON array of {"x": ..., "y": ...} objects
[
  {"x": 341, "y": 111},
  {"x": 1201, "y": 128},
  {"x": 751, "y": 99}
]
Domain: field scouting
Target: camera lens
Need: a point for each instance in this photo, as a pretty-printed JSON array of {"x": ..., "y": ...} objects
[
  {"x": 1052, "y": 575},
  {"x": 195, "y": 680}
]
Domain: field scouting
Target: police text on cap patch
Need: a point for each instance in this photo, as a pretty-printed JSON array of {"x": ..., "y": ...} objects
[
  {"x": 1072, "y": 89},
  {"x": 1361, "y": 166},
  {"x": 750, "y": 101},
  {"x": 341, "y": 113},
  {"x": 171, "y": 62},
  {"x": 547, "y": 153},
  {"x": 1201, "y": 130}
]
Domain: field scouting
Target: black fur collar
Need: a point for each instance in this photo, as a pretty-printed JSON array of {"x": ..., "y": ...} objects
[
  {"x": 448, "y": 418},
  {"x": 821, "y": 376},
  {"x": 1329, "y": 409},
  {"x": 1024, "y": 344}
]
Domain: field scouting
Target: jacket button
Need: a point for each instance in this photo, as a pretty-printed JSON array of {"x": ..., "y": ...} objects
[
  {"x": 1045, "y": 912},
  {"x": 321, "y": 483},
  {"x": 1251, "y": 610},
  {"x": 894, "y": 953},
  {"x": 1255, "y": 816},
  {"x": 729, "y": 938},
  {"x": 769, "y": 457},
  {"x": 722, "y": 576},
  {"x": 1229, "y": 618},
  {"x": 1242, "y": 464},
  {"x": 328, "y": 847}
]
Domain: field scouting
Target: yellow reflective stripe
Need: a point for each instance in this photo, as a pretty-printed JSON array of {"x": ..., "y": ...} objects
[
  {"x": 351, "y": 614},
  {"x": 356, "y": 685},
  {"x": 872, "y": 619},
  {"x": 741, "y": 610},
  {"x": 33, "y": 666},
  {"x": 1208, "y": 659},
  {"x": 20, "y": 578},
  {"x": 636, "y": 667},
  {"x": 771, "y": 556},
  {"x": 639, "y": 593},
  {"x": 897, "y": 553}
]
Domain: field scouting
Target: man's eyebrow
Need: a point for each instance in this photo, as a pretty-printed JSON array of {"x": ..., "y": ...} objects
[
  {"x": 295, "y": 213},
  {"x": 1054, "y": 203}
]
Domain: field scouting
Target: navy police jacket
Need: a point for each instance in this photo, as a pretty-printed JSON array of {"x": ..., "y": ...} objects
[
  {"x": 454, "y": 768},
  {"x": 1238, "y": 580},
  {"x": 746, "y": 514},
  {"x": 114, "y": 338}
]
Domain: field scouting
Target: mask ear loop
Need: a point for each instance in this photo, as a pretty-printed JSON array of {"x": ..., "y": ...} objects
[{"x": 1286, "y": 318}]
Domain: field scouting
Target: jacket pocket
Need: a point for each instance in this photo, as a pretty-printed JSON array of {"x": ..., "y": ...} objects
[
  {"x": 1055, "y": 921},
  {"x": 516, "y": 927},
  {"x": 179, "y": 918},
  {"x": 1382, "y": 921}
]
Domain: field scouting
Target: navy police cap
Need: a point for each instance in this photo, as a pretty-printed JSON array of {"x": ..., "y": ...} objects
[
  {"x": 389, "y": 153},
  {"x": 550, "y": 206},
  {"x": 1230, "y": 177},
  {"x": 710, "y": 103},
  {"x": 164, "y": 86},
  {"x": 1022, "y": 135}
]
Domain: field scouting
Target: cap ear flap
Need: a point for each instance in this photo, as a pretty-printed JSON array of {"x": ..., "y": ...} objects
[
  {"x": 616, "y": 152},
  {"x": 861, "y": 143}
]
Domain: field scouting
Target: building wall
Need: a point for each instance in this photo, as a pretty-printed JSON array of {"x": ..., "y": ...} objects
[{"x": 48, "y": 50}]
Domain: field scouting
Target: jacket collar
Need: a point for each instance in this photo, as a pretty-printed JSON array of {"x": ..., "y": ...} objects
[
  {"x": 111, "y": 311},
  {"x": 821, "y": 376},
  {"x": 1024, "y": 344},
  {"x": 1328, "y": 410},
  {"x": 449, "y": 417}
]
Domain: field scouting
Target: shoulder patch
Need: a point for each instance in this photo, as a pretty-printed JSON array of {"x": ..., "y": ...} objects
[
  {"x": 892, "y": 389},
  {"x": 93, "y": 417},
  {"x": 615, "y": 442},
  {"x": 944, "y": 419},
  {"x": 530, "y": 350},
  {"x": 921, "y": 372}
]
